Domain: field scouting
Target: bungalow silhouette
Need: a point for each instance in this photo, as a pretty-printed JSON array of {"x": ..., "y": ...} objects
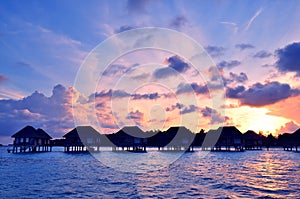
[
  {"x": 82, "y": 138},
  {"x": 129, "y": 138},
  {"x": 176, "y": 138},
  {"x": 199, "y": 138},
  {"x": 296, "y": 138},
  {"x": 30, "y": 139},
  {"x": 290, "y": 141},
  {"x": 252, "y": 140},
  {"x": 223, "y": 139}
]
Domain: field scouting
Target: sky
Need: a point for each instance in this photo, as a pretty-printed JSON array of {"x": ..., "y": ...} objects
[{"x": 253, "y": 47}]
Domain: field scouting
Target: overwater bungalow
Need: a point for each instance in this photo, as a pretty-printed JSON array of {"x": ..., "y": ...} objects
[
  {"x": 129, "y": 138},
  {"x": 82, "y": 139},
  {"x": 290, "y": 142},
  {"x": 296, "y": 137},
  {"x": 176, "y": 138},
  {"x": 227, "y": 138},
  {"x": 199, "y": 138},
  {"x": 252, "y": 140},
  {"x": 30, "y": 139}
]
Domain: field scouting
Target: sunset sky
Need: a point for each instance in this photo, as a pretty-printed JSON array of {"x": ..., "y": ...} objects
[{"x": 255, "y": 45}]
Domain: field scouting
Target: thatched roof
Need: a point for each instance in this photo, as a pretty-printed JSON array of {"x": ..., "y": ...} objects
[
  {"x": 222, "y": 133},
  {"x": 226, "y": 131},
  {"x": 296, "y": 133},
  {"x": 252, "y": 135},
  {"x": 30, "y": 132},
  {"x": 175, "y": 129},
  {"x": 133, "y": 131},
  {"x": 42, "y": 134},
  {"x": 82, "y": 131},
  {"x": 230, "y": 131}
]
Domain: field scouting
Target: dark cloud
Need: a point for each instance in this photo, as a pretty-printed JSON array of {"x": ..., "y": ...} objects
[
  {"x": 175, "y": 65},
  {"x": 289, "y": 58},
  {"x": 215, "y": 51},
  {"x": 183, "y": 109},
  {"x": 215, "y": 116},
  {"x": 136, "y": 116},
  {"x": 162, "y": 73},
  {"x": 262, "y": 94},
  {"x": 121, "y": 94},
  {"x": 138, "y": 6},
  {"x": 110, "y": 93},
  {"x": 244, "y": 46},
  {"x": 179, "y": 21},
  {"x": 235, "y": 92},
  {"x": 191, "y": 88},
  {"x": 115, "y": 70},
  {"x": 3, "y": 78},
  {"x": 173, "y": 107},
  {"x": 178, "y": 64},
  {"x": 238, "y": 78},
  {"x": 190, "y": 109},
  {"x": 228, "y": 64},
  {"x": 124, "y": 28},
  {"x": 262, "y": 54},
  {"x": 150, "y": 96},
  {"x": 142, "y": 76}
]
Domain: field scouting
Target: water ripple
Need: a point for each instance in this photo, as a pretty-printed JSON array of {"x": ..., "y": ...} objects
[{"x": 257, "y": 174}]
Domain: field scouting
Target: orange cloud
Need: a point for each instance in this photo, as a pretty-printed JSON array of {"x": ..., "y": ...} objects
[{"x": 288, "y": 108}]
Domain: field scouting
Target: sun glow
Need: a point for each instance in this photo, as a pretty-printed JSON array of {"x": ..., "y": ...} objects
[{"x": 256, "y": 119}]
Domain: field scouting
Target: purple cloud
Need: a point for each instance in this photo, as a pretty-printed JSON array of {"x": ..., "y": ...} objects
[
  {"x": 136, "y": 116},
  {"x": 228, "y": 64},
  {"x": 191, "y": 88},
  {"x": 262, "y": 54},
  {"x": 215, "y": 116},
  {"x": 150, "y": 96},
  {"x": 110, "y": 93},
  {"x": 239, "y": 78},
  {"x": 50, "y": 113},
  {"x": 288, "y": 58},
  {"x": 179, "y": 22},
  {"x": 116, "y": 70},
  {"x": 190, "y": 109},
  {"x": 262, "y": 94},
  {"x": 173, "y": 107},
  {"x": 215, "y": 51},
  {"x": 175, "y": 65},
  {"x": 235, "y": 92},
  {"x": 244, "y": 46},
  {"x": 124, "y": 28}
]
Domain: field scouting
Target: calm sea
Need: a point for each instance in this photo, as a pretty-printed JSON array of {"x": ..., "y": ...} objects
[{"x": 250, "y": 174}]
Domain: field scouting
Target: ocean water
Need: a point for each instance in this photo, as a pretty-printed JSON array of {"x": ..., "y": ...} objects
[{"x": 250, "y": 174}]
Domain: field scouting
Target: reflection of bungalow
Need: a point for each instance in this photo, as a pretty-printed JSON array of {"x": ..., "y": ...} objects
[
  {"x": 129, "y": 138},
  {"x": 224, "y": 139},
  {"x": 82, "y": 138},
  {"x": 252, "y": 140},
  {"x": 29, "y": 139}
]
